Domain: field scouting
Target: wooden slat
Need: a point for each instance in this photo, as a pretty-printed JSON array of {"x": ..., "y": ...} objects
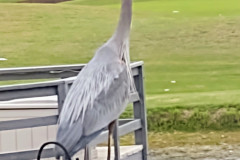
[
  {"x": 37, "y": 85},
  {"x": 136, "y": 64},
  {"x": 124, "y": 121},
  {"x": 41, "y": 68},
  {"x": 39, "y": 136},
  {"x": 23, "y": 138},
  {"x": 134, "y": 97},
  {"x": 8, "y": 141},
  {"x": 52, "y": 132},
  {"x": 29, "y": 90},
  {"x": 130, "y": 127},
  {"x": 50, "y": 88},
  {"x": 127, "y": 152},
  {"x": 45, "y": 72},
  {"x": 31, "y": 154},
  {"x": 139, "y": 109},
  {"x": 26, "y": 155},
  {"x": 20, "y": 114},
  {"x": 27, "y": 93},
  {"x": 43, "y": 104},
  {"x": 28, "y": 123},
  {"x": 28, "y": 106},
  {"x": 134, "y": 71},
  {"x": 37, "y": 75},
  {"x": 136, "y": 156},
  {"x": 123, "y": 129},
  {"x": 35, "y": 122},
  {"x": 32, "y": 90},
  {"x": 31, "y": 85},
  {"x": 53, "y": 68},
  {"x": 34, "y": 100}
]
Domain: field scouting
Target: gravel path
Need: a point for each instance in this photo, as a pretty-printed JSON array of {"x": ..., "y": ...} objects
[{"x": 213, "y": 152}]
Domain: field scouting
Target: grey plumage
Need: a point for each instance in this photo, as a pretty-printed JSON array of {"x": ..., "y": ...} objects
[{"x": 101, "y": 90}]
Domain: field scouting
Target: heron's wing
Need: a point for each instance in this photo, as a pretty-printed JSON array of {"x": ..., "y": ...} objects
[
  {"x": 90, "y": 82},
  {"x": 108, "y": 105},
  {"x": 68, "y": 136}
]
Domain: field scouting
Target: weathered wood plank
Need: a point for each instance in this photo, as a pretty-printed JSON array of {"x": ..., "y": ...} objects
[
  {"x": 27, "y": 93},
  {"x": 28, "y": 123},
  {"x": 41, "y": 121},
  {"x": 132, "y": 152},
  {"x": 41, "y": 92},
  {"x": 16, "y": 106},
  {"x": 29, "y": 90},
  {"x": 136, "y": 156},
  {"x": 41, "y": 68},
  {"x": 140, "y": 113},
  {"x": 125, "y": 128},
  {"x": 26, "y": 155},
  {"x": 31, "y": 85},
  {"x": 31, "y": 154},
  {"x": 52, "y": 88},
  {"x": 134, "y": 97},
  {"x": 39, "y": 136},
  {"x": 8, "y": 141},
  {"x": 45, "y": 72},
  {"x": 56, "y": 68},
  {"x": 24, "y": 142}
]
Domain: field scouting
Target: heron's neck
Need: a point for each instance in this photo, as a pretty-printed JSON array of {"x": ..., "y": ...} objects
[{"x": 122, "y": 32}]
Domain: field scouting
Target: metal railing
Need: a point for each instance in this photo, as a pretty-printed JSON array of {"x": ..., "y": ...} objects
[{"x": 60, "y": 87}]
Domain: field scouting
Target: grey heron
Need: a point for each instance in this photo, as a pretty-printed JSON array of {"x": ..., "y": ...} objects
[{"x": 100, "y": 92}]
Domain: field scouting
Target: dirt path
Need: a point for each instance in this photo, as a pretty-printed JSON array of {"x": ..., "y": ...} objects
[
  {"x": 206, "y": 152},
  {"x": 211, "y": 145}
]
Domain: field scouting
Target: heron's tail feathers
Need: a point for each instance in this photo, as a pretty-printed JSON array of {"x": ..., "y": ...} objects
[
  {"x": 124, "y": 24},
  {"x": 84, "y": 141},
  {"x": 68, "y": 135}
]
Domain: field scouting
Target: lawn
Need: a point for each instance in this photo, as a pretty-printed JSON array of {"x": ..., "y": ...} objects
[{"x": 198, "y": 46}]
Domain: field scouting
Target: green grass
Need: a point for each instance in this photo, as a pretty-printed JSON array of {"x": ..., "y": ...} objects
[
  {"x": 158, "y": 140},
  {"x": 197, "y": 47},
  {"x": 192, "y": 118}
]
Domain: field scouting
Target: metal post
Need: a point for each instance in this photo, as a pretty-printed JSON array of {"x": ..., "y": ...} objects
[
  {"x": 116, "y": 141},
  {"x": 140, "y": 113}
]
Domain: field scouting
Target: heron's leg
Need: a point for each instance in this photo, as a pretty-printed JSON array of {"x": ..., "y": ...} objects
[
  {"x": 110, "y": 130},
  {"x": 86, "y": 153}
]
